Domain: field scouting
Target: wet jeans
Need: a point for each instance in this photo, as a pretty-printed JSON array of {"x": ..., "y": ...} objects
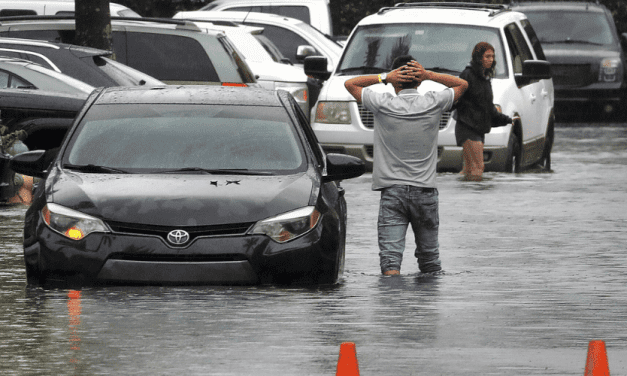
[{"x": 400, "y": 206}]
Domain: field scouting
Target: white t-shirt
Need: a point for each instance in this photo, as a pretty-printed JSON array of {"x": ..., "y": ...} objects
[{"x": 405, "y": 135}]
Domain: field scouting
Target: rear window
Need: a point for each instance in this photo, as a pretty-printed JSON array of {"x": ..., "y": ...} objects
[{"x": 169, "y": 57}]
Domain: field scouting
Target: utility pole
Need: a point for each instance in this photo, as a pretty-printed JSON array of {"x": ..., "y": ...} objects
[{"x": 93, "y": 24}]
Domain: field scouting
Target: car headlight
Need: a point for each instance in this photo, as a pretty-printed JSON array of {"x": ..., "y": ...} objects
[
  {"x": 610, "y": 70},
  {"x": 71, "y": 223},
  {"x": 297, "y": 89},
  {"x": 288, "y": 226},
  {"x": 333, "y": 113}
]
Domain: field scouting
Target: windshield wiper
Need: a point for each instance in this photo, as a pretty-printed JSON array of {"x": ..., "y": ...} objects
[
  {"x": 94, "y": 168},
  {"x": 217, "y": 171},
  {"x": 443, "y": 70},
  {"x": 571, "y": 41},
  {"x": 362, "y": 69}
]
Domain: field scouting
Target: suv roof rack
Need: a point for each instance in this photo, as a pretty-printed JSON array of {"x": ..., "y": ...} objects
[
  {"x": 180, "y": 24},
  {"x": 494, "y": 9}
]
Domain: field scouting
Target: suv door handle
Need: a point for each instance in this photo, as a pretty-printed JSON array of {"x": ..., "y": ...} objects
[
  {"x": 544, "y": 93},
  {"x": 533, "y": 98}
]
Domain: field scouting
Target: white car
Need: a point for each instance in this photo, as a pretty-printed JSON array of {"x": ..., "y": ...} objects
[
  {"x": 314, "y": 12},
  {"x": 269, "y": 73},
  {"x": 296, "y": 39},
  {"x": 53, "y": 7},
  {"x": 441, "y": 37}
]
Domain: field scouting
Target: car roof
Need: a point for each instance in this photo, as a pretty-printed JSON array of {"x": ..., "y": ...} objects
[
  {"x": 476, "y": 14},
  {"x": 190, "y": 94},
  {"x": 158, "y": 24},
  {"x": 33, "y": 43},
  {"x": 239, "y": 16},
  {"x": 560, "y": 5}
]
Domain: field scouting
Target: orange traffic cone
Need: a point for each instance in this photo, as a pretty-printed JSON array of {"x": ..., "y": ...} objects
[
  {"x": 597, "y": 365},
  {"x": 347, "y": 363}
]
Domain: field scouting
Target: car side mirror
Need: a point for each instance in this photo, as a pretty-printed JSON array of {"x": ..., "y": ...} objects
[
  {"x": 316, "y": 67},
  {"x": 533, "y": 70},
  {"x": 32, "y": 163},
  {"x": 341, "y": 166},
  {"x": 303, "y": 51}
]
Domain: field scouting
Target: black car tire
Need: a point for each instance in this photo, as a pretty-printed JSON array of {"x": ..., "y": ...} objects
[
  {"x": 548, "y": 146},
  {"x": 512, "y": 165}
]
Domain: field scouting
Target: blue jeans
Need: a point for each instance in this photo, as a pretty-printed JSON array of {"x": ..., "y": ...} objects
[{"x": 401, "y": 205}]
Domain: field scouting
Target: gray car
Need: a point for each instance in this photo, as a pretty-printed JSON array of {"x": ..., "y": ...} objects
[{"x": 584, "y": 48}]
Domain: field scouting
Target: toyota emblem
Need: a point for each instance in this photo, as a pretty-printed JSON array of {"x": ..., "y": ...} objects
[{"x": 178, "y": 237}]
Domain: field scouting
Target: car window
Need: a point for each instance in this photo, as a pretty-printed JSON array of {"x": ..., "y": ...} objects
[
  {"x": 170, "y": 136},
  {"x": 446, "y": 47},
  {"x": 286, "y": 40},
  {"x": 535, "y": 41},
  {"x": 520, "y": 52},
  {"x": 300, "y": 12},
  {"x": 169, "y": 57},
  {"x": 569, "y": 27},
  {"x": 8, "y": 80}
]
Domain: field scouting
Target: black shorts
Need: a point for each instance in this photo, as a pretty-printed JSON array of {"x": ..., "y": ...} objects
[{"x": 463, "y": 132}]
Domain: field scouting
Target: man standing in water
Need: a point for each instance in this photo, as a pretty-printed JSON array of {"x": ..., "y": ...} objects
[{"x": 405, "y": 157}]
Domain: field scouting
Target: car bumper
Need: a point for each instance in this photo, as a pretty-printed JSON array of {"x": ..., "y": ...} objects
[
  {"x": 144, "y": 259},
  {"x": 594, "y": 95}
]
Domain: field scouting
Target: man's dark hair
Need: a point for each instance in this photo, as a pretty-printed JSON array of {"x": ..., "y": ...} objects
[{"x": 399, "y": 62}]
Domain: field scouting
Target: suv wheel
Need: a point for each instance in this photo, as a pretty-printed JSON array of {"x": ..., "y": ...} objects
[{"x": 513, "y": 154}]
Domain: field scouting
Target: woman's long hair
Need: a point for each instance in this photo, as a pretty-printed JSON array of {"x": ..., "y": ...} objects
[{"x": 477, "y": 55}]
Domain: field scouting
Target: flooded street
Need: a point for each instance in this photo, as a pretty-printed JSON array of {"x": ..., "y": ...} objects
[{"x": 535, "y": 267}]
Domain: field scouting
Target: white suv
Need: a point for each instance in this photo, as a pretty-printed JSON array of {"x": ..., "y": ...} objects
[{"x": 441, "y": 37}]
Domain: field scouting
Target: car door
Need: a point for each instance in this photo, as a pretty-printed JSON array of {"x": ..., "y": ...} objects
[{"x": 530, "y": 94}]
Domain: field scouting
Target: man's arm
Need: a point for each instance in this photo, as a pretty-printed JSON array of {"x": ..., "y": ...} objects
[{"x": 356, "y": 84}]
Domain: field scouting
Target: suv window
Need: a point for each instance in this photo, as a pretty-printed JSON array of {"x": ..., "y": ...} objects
[
  {"x": 535, "y": 42},
  {"x": 567, "y": 26},
  {"x": 182, "y": 58},
  {"x": 286, "y": 40},
  {"x": 518, "y": 46},
  {"x": 446, "y": 48},
  {"x": 292, "y": 11}
]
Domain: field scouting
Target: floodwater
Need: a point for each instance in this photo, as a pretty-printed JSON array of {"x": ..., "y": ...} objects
[{"x": 535, "y": 267}]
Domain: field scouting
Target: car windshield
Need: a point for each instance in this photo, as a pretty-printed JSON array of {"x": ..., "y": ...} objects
[
  {"x": 442, "y": 48},
  {"x": 142, "y": 138},
  {"x": 571, "y": 27}
]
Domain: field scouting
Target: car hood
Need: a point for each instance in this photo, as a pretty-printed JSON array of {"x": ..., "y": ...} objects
[
  {"x": 178, "y": 200},
  {"x": 564, "y": 53},
  {"x": 276, "y": 72}
]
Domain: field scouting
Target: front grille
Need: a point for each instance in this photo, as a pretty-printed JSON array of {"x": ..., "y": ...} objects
[
  {"x": 176, "y": 258},
  {"x": 194, "y": 231},
  {"x": 367, "y": 117},
  {"x": 571, "y": 74}
]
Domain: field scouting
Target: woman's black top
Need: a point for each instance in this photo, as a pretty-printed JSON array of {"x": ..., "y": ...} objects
[{"x": 475, "y": 108}]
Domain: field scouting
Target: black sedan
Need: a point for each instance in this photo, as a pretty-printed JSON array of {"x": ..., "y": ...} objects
[{"x": 187, "y": 185}]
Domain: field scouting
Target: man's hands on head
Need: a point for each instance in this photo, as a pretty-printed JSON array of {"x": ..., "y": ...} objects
[{"x": 412, "y": 71}]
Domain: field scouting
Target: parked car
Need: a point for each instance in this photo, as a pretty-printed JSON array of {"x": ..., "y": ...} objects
[
  {"x": 90, "y": 65},
  {"x": 173, "y": 51},
  {"x": 53, "y": 7},
  {"x": 25, "y": 74},
  {"x": 43, "y": 115},
  {"x": 441, "y": 37},
  {"x": 295, "y": 39},
  {"x": 269, "y": 73},
  {"x": 313, "y": 12},
  {"x": 189, "y": 184},
  {"x": 587, "y": 59}
]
